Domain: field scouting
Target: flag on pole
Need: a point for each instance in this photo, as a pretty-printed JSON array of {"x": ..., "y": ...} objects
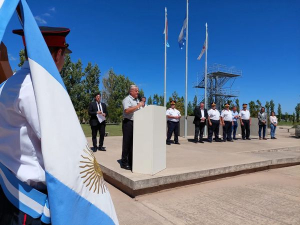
[
  {"x": 76, "y": 189},
  {"x": 166, "y": 32},
  {"x": 182, "y": 35},
  {"x": 202, "y": 51}
]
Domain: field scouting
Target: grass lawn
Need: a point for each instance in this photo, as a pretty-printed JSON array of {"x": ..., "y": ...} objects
[
  {"x": 114, "y": 130},
  {"x": 283, "y": 123}
]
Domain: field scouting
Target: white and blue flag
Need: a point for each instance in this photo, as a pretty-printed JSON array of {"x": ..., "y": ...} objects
[
  {"x": 76, "y": 189},
  {"x": 182, "y": 35}
]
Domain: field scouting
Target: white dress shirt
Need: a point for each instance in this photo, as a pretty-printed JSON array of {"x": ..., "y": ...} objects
[
  {"x": 244, "y": 114},
  {"x": 226, "y": 115},
  {"x": 273, "y": 119},
  {"x": 20, "y": 144},
  {"x": 214, "y": 114},
  {"x": 173, "y": 112}
]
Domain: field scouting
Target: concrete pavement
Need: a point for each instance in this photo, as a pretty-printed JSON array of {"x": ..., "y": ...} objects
[
  {"x": 262, "y": 198},
  {"x": 190, "y": 163}
]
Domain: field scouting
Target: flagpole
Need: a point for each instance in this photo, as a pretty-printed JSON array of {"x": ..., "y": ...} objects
[
  {"x": 186, "y": 67},
  {"x": 165, "y": 84},
  {"x": 205, "y": 76}
]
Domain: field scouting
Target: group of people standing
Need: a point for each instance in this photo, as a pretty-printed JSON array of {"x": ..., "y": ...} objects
[{"x": 228, "y": 119}]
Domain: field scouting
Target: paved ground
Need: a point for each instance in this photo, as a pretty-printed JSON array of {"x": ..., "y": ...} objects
[
  {"x": 269, "y": 197},
  {"x": 190, "y": 161}
]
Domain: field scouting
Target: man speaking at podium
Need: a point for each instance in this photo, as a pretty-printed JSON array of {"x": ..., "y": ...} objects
[{"x": 130, "y": 105}]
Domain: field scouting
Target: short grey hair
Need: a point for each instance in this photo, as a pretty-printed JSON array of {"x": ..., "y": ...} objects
[{"x": 133, "y": 86}]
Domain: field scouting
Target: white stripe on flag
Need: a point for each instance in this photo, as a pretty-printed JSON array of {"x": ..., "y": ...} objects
[{"x": 1, "y": 3}]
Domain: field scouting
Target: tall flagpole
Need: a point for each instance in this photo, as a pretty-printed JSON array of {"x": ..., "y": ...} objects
[
  {"x": 205, "y": 76},
  {"x": 186, "y": 67},
  {"x": 165, "y": 87}
]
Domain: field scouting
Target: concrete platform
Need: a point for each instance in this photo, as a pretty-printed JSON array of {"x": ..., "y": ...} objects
[{"x": 191, "y": 163}]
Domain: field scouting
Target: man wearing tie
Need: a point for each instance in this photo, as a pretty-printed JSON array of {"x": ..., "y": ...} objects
[
  {"x": 200, "y": 122},
  {"x": 98, "y": 113}
]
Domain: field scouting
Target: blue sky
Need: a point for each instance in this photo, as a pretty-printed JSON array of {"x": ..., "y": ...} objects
[{"x": 259, "y": 37}]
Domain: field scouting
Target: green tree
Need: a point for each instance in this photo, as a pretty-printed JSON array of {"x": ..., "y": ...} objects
[
  {"x": 297, "y": 111},
  {"x": 293, "y": 118},
  {"x": 115, "y": 89},
  {"x": 237, "y": 103},
  {"x": 253, "y": 109},
  {"x": 195, "y": 102},
  {"x": 272, "y": 106},
  {"x": 286, "y": 117},
  {"x": 279, "y": 112},
  {"x": 72, "y": 76},
  {"x": 22, "y": 57},
  {"x": 141, "y": 93},
  {"x": 258, "y": 104},
  {"x": 149, "y": 101},
  {"x": 190, "y": 109}
]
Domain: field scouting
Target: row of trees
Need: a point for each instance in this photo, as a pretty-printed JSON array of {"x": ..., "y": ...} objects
[{"x": 82, "y": 84}]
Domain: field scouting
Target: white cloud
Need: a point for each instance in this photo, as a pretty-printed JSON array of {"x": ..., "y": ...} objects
[
  {"x": 40, "y": 20},
  {"x": 11, "y": 57},
  {"x": 52, "y": 9},
  {"x": 46, "y": 14}
]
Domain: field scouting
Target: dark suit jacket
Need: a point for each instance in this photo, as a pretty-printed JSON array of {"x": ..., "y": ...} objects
[
  {"x": 198, "y": 116},
  {"x": 93, "y": 109}
]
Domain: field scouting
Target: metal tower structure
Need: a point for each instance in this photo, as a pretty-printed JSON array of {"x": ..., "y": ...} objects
[{"x": 220, "y": 80}]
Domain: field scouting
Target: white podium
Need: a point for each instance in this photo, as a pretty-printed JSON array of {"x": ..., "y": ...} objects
[{"x": 149, "y": 140}]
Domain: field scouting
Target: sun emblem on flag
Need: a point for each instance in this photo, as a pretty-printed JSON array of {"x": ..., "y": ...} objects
[{"x": 92, "y": 174}]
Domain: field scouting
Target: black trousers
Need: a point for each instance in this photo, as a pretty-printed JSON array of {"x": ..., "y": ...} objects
[
  {"x": 101, "y": 128},
  {"x": 127, "y": 147},
  {"x": 172, "y": 127},
  {"x": 213, "y": 129},
  {"x": 227, "y": 130},
  {"x": 198, "y": 129},
  {"x": 245, "y": 129},
  {"x": 10, "y": 215}
]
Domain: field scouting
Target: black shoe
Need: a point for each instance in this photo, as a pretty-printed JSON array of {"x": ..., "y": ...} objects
[
  {"x": 224, "y": 140},
  {"x": 102, "y": 149},
  {"x": 248, "y": 138},
  {"x": 168, "y": 143},
  {"x": 125, "y": 166},
  {"x": 94, "y": 149},
  {"x": 230, "y": 140},
  {"x": 177, "y": 143},
  {"x": 244, "y": 138},
  {"x": 195, "y": 141},
  {"x": 218, "y": 140},
  {"x": 209, "y": 141},
  {"x": 235, "y": 139},
  {"x": 274, "y": 138},
  {"x": 201, "y": 141}
]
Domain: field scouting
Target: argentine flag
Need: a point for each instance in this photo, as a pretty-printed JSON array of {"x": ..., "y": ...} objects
[
  {"x": 182, "y": 35},
  {"x": 77, "y": 193}
]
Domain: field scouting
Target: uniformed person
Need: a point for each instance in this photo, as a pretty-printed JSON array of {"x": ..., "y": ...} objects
[
  {"x": 235, "y": 116},
  {"x": 245, "y": 121},
  {"x": 131, "y": 104},
  {"x": 173, "y": 117},
  {"x": 20, "y": 135},
  {"x": 213, "y": 123},
  {"x": 226, "y": 120}
]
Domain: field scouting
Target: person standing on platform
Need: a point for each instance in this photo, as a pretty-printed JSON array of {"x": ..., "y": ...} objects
[
  {"x": 144, "y": 100},
  {"x": 98, "y": 113},
  {"x": 200, "y": 122},
  {"x": 262, "y": 123},
  {"x": 131, "y": 104},
  {"x": 273, "y": 124},
  {"x": 213, "y": 123},
  {"x": 245, "y": 121},
  {"x": 173, "y": 117},
  {"x": 226, "y": 120},
  {"x": 235, "y": 116}
]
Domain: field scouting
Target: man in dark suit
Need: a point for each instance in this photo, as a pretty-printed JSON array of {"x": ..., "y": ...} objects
[
  {"x": 98, "y": 113},
  {"x": 200, "y": 121}
]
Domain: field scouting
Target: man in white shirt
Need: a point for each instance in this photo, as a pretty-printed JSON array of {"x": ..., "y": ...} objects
[
  {"x": 20, "y": 136},
  {"x": 213, "y": 123},
  {"x": 131, "y": 104},
  {"x": 245, "y": 121},
  {"x": 226, "y": 120},
  {"x": 173, "y": 117},
  {"x": 235, "y": 116}
]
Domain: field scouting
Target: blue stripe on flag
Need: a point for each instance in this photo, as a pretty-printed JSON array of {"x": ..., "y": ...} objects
[
  {"x": 77, "y": 210},
  {"x": 33, "y": 38},
  {"x": 6, "y": 11}
]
